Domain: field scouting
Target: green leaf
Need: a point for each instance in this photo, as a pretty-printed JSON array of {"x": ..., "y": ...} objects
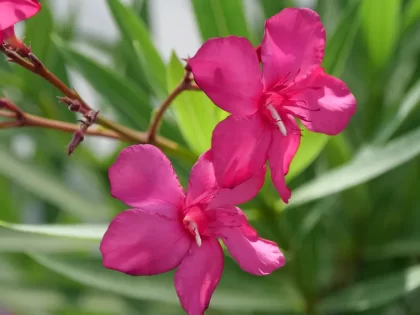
[
  {"x": 311, "y": 145},
  {"x": 340, "y": 43},
  {"x": 159, "y": 288},
  {"x": 271, "y": 7},
  {"x": 381, "y": 25},
  {"x": 49, "y": 188},
  {"x": 368, "y": 164},
  {"x": 45, "y": 301},
  {"x": 130, "y": 101},
  {"x": 50, "y": 238},
  {"x": 373, "y": 293},
  {"x": 37, "y": 301},
  {"x": 92, "y": 232},
  {"x": 411, "y": 14},
  {"x": 196, "y": 114},
  {"x": 220, "y": 18},
  {"x": 135, "y": 32},
  {"x": 408, "y": 105},
  {"x": 394, "y": 249},
  {"x": 15, "y": 240},
  {"x": 10, "y": 79}
]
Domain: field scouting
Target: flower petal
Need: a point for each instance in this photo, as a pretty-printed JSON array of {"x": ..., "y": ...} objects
[
  {"x": 227, "y": 217},
  {"x": 140, "y": 242},
  {"x": 142, "y": 175},
  {"x": 198, "y": 275},
  {"x": 14, "y": 11},
  {"x": 255, "y": 255},
  {"x": 293, "y": 45},
  {"x": 329, "y": 103},
  {"x": 280, "y": 155},
  {"x": 227, "y": 70},
  {"x": 239, "y": 194},
  {"x": 202, "y": 183},
  {"x": 239, "y": 149}
]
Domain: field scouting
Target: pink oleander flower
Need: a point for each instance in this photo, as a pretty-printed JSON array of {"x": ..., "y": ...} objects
[
  {"x": 12, "y": 12},
  {"x": 264, "y": 103},
  {"x": 169, "y": 229}
]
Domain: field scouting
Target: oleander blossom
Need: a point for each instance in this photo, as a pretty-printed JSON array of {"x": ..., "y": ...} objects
[
  {"x": 12, "y": 12},
  {"x": 264, "y": 104},
  {"x": 167, "y": 229}
]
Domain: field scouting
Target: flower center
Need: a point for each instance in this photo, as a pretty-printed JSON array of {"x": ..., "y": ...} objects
[{"x": 195, "y": 222}]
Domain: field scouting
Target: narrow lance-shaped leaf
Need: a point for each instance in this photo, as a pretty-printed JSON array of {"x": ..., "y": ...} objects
[
  {"x": 50, "y": 238},
  {"x": 408, "y": 105},
  {"x": 368, "y": 164},
  {"x": 340, "y": 42},
  {"x": 49, "y": 188},
  {"x": 373, "y": 293},
  {"x": 135, "y": 33},
  {"x": 220, "y": 18},
  {"x": 271, "y": 7},
  {"x": 159, "y": 288},
  {"x": 411, "y": 14},
  {"x": 129, "y": 100},
  {"x": 381, "y": 26}
]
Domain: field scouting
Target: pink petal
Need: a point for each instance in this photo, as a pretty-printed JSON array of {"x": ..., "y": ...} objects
[
  {"x": 228, "y": 217},
  {"x": 239, "y": 194},
  {"x": 202, "y": 183},
  {"x": 198, "y": 275},
  {"x": 293, "y": 45},
  {"x": 142, "y": 175},
  {"x": 14, "y": 11},
  {"x": 255, "y": 255},
  {"x": 330, "y": 103},
  {"x": 227, "y": 70},
  {"x": 141, "y": 242},
  {"x": 239, "y": 149},
  {"x": 280, "y": 155}
]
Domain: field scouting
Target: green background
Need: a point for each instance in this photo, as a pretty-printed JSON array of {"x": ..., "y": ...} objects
[{"x": 351, "y": 233}]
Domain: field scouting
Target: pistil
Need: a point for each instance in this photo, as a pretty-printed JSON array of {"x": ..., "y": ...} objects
[{"x": 277, "y": 119}]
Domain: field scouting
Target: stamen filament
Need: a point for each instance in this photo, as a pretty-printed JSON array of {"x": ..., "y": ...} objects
[{"x": 277, "y": 118}]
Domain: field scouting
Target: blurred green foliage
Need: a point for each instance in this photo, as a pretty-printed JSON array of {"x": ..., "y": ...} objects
[{"x": 351, "y": 232}]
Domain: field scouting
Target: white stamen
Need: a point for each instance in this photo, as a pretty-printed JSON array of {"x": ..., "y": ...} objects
[
  {"x": 194, "y": 227},
  {"x": 277, "y": 118}
]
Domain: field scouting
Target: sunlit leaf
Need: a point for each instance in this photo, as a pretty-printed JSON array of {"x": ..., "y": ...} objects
[
  {"x": 411, "y": 14},
  {"x": 381, "y": 26},
  {"x": 220, "y": 18},
  {"x": 311, "y": 145},
  {"x": 195, "y": 113}
]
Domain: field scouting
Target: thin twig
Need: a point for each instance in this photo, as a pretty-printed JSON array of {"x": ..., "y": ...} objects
[
  {"x": 29, "y": 120},
  {"x": 37, "y": 121},
  {"x": 185, "y": 84},
  {"x": 131, "y": 135}
]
